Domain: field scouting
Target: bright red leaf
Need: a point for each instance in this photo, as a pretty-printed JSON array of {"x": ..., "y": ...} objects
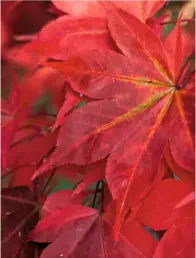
[
  {"x": 95, "y": 128},
  {"x": 186, "y": 200},
  {"x": 179, "y": 240},
  {"x": 110, "y": 108},
  {"x": 157, "y": 211}
]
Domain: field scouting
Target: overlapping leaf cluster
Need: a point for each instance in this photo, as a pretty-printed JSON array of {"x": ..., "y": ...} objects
[{"x": 124, "y": 99}]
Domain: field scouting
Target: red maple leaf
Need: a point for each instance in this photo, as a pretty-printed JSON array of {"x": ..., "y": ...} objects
[
  {"x": 150, "y": 73},
  {"x": 120, "y": 130},
  {"x": 90, "y": 235}
]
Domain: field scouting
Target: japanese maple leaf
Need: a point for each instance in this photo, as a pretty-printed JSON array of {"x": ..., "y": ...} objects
[
  {"x": 90, "y": 235},
  {"x": 19, "y": 215},
  {"x": 144, "y": 108}
]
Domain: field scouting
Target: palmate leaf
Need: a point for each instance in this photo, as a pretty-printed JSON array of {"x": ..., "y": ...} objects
[
  {"x": 78, "y": 231},
  {"x": 146, "y": 109}
]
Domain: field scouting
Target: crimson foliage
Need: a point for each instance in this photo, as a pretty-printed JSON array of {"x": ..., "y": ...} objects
[{"x": 101, "y": 97}]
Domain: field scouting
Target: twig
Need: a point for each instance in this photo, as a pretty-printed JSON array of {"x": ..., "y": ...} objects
[
  {"x": 175, "y": 21},
  {"x": 95, "y": 195}
]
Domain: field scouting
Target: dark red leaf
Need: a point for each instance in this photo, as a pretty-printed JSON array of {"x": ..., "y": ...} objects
[{"x": 19, "y": 215}]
